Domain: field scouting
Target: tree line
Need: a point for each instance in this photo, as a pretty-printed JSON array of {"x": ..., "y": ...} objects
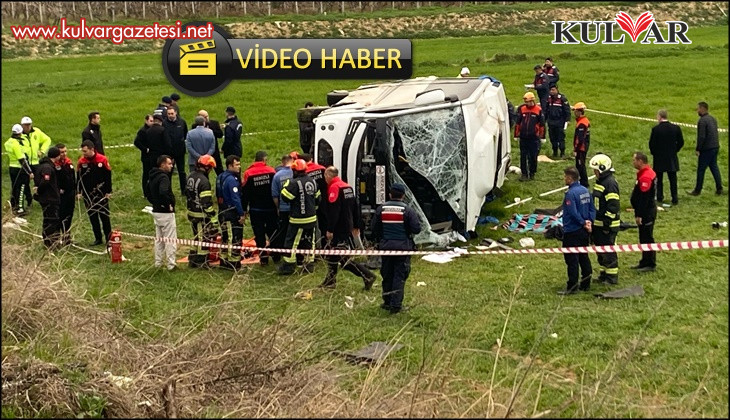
[{"x": 109, "y": 11}]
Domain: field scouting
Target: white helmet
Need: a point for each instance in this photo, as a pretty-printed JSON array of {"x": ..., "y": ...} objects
[
  {"x": 26, "y": 120},
  {"x": 17, "y": 129},
  {"x": 601, "y": 163}
]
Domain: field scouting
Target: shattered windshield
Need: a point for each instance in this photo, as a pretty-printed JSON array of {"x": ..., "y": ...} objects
[{"x": 434, "y": 144}]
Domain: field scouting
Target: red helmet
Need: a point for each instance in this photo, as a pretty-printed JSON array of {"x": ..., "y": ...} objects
[
  {"x": 299, "y": 165},
  {"x": 206, "y": 160},
  {"x": 294, "y": 155}
]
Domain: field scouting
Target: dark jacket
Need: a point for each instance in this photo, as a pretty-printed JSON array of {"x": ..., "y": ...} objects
[
  {"x": 158, "y": 143},
  {"x": 542, "y": 86},
  {"x": 256, "y": 187},
  {"x": 141, "y": 143},
  {"x": 176, "y": 132},
  {"x": 199, "y": 196},
  {"x": 707, "y": 133},
  {"x": 606, "y": 199},
  {"x": 228, "y": 191},
  {"x": 93, "y": 132},
  {"x": 66, "y": 178},
  {"x": 93, "y": 176},
  {"x": 558, "y": 110},
  {"x": 582, "y": 136},
  {"x": 45, "y": 180},
  {"x": 302, "y": 194},
  {"x": 232, "y": 137},
  {"x": 161, "y": 195},
  {"x": 530, "y": 123},
  {"x": 552, "y": 73},
  {"x": 394, "y": 225},
  {"x": 577, "y": 208},
  {"x": 665, "y": 142},
  {"x": 343, "y": 212},
  {"x": 642, "y": 198}
]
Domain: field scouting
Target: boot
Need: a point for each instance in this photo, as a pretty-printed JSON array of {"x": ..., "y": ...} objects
[
  {"x": 286, "y": 269},
  {"x": 585, "y": 284}
]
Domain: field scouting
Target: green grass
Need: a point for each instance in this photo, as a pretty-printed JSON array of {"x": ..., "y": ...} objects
[{"x": 681, "y": 324}]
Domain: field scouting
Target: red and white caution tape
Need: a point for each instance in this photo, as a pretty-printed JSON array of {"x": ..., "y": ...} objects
[
  {"x": 721, "y": 130},
  {"x": 662, "y": 246}
]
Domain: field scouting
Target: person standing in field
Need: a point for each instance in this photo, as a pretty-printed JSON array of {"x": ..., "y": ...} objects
[
  {"x": 94, "y": 184},
  {"x": 199, "y": 141},
  {"x": 46, "y": 193},
  {"x": 176, "y": 130},
  {"x": 578, "y": 216},
  {"x": 232, "y": 132},
  {"x": 581, "y": 141},
  {"x": 18, "y": 149},
  {"x": 394, "y": 225},
  {"x": 256, "y": 198},
  {"x": 530, "y": 129},
  {"x": 39, "y": 143},
  {"x": 708, "y": 146},
  {"x": 551, "y": 71},
  {"x": 283, "y": 173},
  {"x": 557, "y": 115},
  {"x": 642, "y": 200},
  {"x": 665, "y": 142},
  {"x": 66, "y": 177},
  {"x": 163, "y": 211},
  {"x": 93, "y": 132},
  {"x": 215, "y": 126},
  {"x": 201, "y": 213},
  {"x": 142, "y": 143},
  {"x": 230, "y": 211},
  {"x": 606, "y": 200}
]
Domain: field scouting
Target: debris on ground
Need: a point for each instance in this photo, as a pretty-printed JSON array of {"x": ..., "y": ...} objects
[
  {"x": 373, "y": 352},
  {"x": 304, "y": 295},
  {"x": 527, "y": 242}
]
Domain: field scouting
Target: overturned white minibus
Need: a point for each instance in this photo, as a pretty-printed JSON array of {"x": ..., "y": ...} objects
[{"x": 446, "y": 139}]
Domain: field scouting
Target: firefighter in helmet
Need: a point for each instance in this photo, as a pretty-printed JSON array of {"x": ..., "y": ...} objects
[{"x": 608, "y": 218}]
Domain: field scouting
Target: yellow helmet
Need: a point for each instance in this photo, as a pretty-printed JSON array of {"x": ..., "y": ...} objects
[
  {"x": 529, "y": 96},
  {"x": 579, "y": 105},
  {"x": 601, "y": 163}
]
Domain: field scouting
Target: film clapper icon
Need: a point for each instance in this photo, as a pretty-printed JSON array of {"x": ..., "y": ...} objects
[{"x": 197, "y": 64}]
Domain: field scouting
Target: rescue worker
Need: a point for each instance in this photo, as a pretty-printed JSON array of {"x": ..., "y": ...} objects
[
  {"x": 161, "y": 109},
  {"x": 581, "y": 141},
  {"x": 343, "y": 223},
  {"x": 541, "y": 84},
  {"x": 303, "y": 195},
  {"x": 393, "y": 228},
  {"x": 316, "y": 172},
  {"x": 578, "y": 216},
  {"x": 232, "y": 132},
  {"x": 551, "y": 71},
  {"x": 256, "y": 198},
  {"x": 176, "y": 131},
  {"x": 66, "y": 178},
  {"x": 94, "y": 184},
  {"x": 608, "y": 216},
  {"x": 93, "y": 132},
  {"x": 18, "y": 149},
  {"x": 163, "y": 211},
  {"x": 557, "y": 115},
  {"x": 642, "y": 200},
  {"x": 201, "y": 213},
  {"x": 283, "y": 173},
  {"x": 141, "y": 142},
  {"x": 215, "y": 126},
  {"x": 46, "y": 193},
  {"x": 530, "y": 129},
  {"x": 38, "y": 142},
  {"x": 230, "y": 212}
]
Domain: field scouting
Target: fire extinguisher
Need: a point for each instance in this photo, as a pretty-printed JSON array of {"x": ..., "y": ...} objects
[
  {"x": 215, "y": 251},
  {"x": 115, "y": 243}
]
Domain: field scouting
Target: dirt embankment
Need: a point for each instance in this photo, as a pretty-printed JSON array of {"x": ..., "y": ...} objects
[{"x": 441, "y": 25}]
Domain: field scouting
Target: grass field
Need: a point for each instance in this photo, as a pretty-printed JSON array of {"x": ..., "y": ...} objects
[{"x": 663, "y": 354}]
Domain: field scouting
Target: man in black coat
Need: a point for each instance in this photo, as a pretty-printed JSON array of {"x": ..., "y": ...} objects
[
  {"x": 47, "y": 194},
  {"x": 665, "y": 142},
  {"x": 142, "y": 143},
  {"x": 708, "y": 146},
  {"x": 176, "y": 130},
  {"x": 232, "y": 134},
  {"x": 93, "y": 132}
]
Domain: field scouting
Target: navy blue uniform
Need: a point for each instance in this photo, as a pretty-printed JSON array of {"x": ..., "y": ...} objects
[
  {"x": 394, "y": 226},
  {"x": 577, "y": 208},
  {"x": 230, "y": 211}
]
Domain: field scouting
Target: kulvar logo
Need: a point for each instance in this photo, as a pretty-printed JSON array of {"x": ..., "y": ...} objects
[{"x": 591, "y": 32}]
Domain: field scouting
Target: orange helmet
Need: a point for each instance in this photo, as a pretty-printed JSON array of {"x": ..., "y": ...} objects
[
  {"x": 529, "y": 96},
  {"x": 579, "y": 105},
  {"x": 206, "y": 160},
  {"x": 294, "y": 155},
  {"x": 299, "y": 165}
]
